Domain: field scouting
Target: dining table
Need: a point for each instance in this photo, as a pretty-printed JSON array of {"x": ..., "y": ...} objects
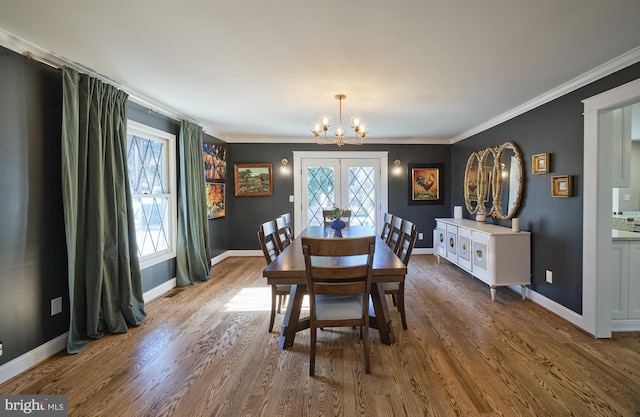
[{"x": 289, "y": 268}]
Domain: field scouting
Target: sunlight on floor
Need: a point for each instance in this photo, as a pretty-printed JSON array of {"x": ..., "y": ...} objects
[{"x": 255, "y": 299}]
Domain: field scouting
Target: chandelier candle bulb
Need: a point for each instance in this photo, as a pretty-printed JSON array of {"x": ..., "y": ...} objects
[{"x": 515, "y": 224}]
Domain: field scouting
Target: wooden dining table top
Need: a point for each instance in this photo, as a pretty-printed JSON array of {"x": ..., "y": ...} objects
[{"x": 289, "y": 268}]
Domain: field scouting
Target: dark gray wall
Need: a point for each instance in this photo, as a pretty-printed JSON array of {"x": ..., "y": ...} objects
[
  {"x": 33, "y": 261},
  {"x": 555, "y": 223},
  {"x": 247, "y": 213}
]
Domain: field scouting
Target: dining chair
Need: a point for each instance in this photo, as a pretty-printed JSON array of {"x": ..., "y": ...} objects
[
  {"x": 339, "y": 285},
  {"x": 386, "y": 226},
  {"x": 345, "y": 216},
  {"x": 289, "y": 226},
  {"x": 267, "y": 235},
  {"x": 282, "y": 233},
  {"x": 395, "y": 233},
  {"x": 403, "y": 251}
]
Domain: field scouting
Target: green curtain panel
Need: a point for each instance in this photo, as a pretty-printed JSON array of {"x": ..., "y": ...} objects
[
  {"x": 193, "y": 256},
  {"x": 105, "y": 289}
]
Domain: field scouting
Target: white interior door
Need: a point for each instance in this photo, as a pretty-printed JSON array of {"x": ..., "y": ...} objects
[{"x": 349, "y": 180}]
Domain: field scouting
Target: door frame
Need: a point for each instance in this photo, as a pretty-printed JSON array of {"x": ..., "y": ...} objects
[
  {"x": 597, "y": 204},
  {"x": 298, "y": 156}
]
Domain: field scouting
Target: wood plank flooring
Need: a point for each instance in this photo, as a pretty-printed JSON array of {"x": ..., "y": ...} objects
[{"x": 204, "y": 350}]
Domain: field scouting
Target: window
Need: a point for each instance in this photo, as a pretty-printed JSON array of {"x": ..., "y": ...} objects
[{"x": 152, "y": 179}]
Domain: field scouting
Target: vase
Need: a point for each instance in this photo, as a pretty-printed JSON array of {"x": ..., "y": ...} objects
[{"x": 337, "y": 225}]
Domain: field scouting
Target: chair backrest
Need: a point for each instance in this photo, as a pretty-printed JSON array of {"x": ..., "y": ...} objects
[
  {"x": 345, "y": 216},
  {"x": 282, "y": 234},
  {"x": 338, "y": 266},
  {"x": 269, "y": 241},
  {"x": 386, "y": 226},
  {"x": 288, "y": 225},
  {"x": 405, "y": 245},
  {"x": 395, "y": 234}
]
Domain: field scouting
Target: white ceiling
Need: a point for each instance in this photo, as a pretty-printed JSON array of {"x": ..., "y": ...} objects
[{"x": 257, "y": 70}]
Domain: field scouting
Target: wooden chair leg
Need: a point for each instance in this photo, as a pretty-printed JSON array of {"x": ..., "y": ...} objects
[
  {"x": 312, "y": 352},
  {"x": 365, "y": 350},
  {"x": 403, "y": 316},
  {"x": 273, "y": 308}
]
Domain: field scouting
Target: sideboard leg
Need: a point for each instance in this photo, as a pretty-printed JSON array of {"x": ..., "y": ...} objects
[
  {"x": 524, "y": 292},
  {"x": 493, "y": 293}
]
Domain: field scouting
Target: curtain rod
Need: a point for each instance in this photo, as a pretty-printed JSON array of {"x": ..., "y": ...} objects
[
  {"x": 52, "y": 60},
  {"x": 132, "y": 96}
]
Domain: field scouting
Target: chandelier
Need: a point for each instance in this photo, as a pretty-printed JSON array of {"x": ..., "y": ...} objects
[{"x": 324, "y": 123}]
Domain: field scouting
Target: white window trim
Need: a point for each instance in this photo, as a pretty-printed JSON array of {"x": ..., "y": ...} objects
[{"x": 140, "y": 129}]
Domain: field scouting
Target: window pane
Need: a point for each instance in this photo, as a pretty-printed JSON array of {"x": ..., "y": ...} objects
[
  {"x": 146, "y": 164},
  {"x": 152, "y": 223}
]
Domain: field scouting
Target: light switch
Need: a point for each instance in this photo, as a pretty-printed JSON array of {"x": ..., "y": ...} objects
[{"x": 291, "y": 199}]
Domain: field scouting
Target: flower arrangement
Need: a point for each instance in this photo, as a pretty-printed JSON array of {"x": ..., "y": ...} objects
[{"x": 335, "y": 213}]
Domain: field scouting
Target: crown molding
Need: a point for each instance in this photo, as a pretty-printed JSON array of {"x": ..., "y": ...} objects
[{"x": 608, "y": 68}]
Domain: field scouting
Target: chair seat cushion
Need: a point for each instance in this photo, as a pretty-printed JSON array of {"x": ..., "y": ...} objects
[
  {"x": 333, "y": 307},
  {"x": 391, "y": 286}
]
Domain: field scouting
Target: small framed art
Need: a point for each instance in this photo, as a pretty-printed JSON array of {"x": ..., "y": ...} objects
[
  {"x": 253, "y": 180},
  {"x": 562, "y": 186},
  {"x": 425, "y": 183},
  {"x": 540, "y": 163},
  {"x": 215, "y": 200}
]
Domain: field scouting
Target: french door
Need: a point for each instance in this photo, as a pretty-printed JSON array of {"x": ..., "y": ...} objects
[{"x": 349, "y": 180}]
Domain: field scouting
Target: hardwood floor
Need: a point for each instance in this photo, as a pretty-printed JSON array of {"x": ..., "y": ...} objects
[{"x": 204, "y": 350}]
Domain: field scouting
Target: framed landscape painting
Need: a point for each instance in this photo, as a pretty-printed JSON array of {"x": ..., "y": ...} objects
[{"x": 253, "y": 180}]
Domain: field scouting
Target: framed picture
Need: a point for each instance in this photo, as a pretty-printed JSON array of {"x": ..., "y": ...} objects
[
  {"x": 253, "y": 180},
  {"x": 426, "y": 183},
  {"x": 562, "y": 186},
  {"x": 540, "y": 163},
  {"x": 215, "y": 162},
  {"x": 215, "y": 200}
]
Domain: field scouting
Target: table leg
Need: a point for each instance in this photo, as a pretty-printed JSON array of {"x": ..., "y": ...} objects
[
  {"x": 382, "y": 319},
  {"x": 292, "y": 316}
]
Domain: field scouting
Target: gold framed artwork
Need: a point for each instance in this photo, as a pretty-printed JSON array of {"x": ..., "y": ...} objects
[
  {"x": 425, "y": 183},
  {"x": 253, "y": 180},
  {"x": 562, "y": 186},
  {"x": 540, "y": 163}
]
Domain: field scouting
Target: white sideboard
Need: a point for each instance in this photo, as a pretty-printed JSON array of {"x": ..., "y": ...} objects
[{"x": 494, "y": 254}]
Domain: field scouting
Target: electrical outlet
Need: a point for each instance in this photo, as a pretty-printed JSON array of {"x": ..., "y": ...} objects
[
  {"x": 0, "y": 348},
  {"x": 420, "y": 236},
  {"x": 549, "y": 276},
  {"x": 56, "y": 306}
]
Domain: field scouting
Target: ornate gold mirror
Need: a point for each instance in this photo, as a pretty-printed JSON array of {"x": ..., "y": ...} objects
[
  {"x": 494, "y": 182},
  {"x": 487, "y": 164},
  {"x": 509, "y": 181},
  {"x": 471, "y": 183}
]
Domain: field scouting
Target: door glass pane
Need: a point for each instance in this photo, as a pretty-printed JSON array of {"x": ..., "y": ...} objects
[
  {"x": 361, "y": 195},
  {"x": 320, "y": 193}
]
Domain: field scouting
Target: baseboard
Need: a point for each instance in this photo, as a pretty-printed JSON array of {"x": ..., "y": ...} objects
[
  {"x": 159, "y": 290},
  {"x": 32, "y": 358},
  {"x": 422, "y": 251},
  {"x": 625, "y": 325},
  {"x": 554, "y": 307}
]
